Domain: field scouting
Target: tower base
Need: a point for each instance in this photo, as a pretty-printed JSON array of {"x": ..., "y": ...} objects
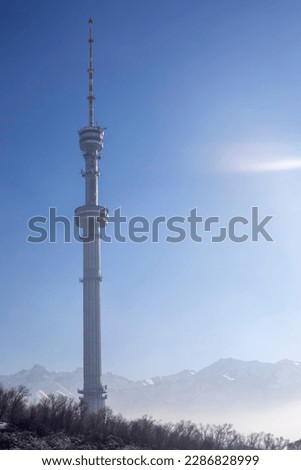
[{"x": 94, "y": 400}]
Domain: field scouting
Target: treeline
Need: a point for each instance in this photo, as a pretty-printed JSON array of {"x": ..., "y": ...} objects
[{"x": 59, "y": 422}]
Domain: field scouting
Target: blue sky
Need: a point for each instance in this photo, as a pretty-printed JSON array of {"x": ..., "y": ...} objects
[{"x": 202, "y": 104}]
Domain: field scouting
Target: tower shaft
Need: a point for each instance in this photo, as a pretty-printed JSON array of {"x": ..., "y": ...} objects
[{"x": 91, "y": 218}]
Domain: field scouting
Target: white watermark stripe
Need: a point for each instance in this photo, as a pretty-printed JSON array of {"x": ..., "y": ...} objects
[{"x": 175, "y": 459}]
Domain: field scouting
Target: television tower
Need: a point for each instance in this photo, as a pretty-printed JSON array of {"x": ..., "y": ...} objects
[{"x": 91, "y": 218}]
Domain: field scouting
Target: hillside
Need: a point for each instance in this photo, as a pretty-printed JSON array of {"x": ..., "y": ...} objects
[{"x": 245, "y": 393}]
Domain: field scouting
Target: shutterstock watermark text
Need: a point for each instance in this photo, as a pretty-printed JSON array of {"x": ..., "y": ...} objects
[{"x": 140, "y": 229}]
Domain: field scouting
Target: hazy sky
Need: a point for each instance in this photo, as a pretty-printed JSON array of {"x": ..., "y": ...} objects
[{"x": 202, "y": 104}]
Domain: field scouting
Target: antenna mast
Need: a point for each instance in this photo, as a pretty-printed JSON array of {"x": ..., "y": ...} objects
[{"x": 91, "y": 96}]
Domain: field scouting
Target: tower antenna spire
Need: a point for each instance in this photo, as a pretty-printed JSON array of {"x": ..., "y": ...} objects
[{"x": 91, "y": 96}]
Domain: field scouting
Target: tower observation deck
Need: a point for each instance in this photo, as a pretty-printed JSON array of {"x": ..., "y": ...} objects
[{"x": 91, "y": 218}]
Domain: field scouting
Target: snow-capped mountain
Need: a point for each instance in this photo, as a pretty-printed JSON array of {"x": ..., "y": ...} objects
[
  {"x": 220, "y": 392},
  {"x": 226, "y": 382}
]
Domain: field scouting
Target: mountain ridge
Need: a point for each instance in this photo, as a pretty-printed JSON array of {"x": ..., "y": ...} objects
[
  {"x": 225, "y": 376},
  {"x": 248, "y": 394}
]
